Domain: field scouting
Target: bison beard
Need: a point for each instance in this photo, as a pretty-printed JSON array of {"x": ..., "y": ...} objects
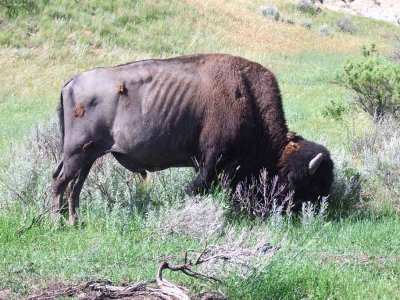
[{"x": 214, "y": 112}]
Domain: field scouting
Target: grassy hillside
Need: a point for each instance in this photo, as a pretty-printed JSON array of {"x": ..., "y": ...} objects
[
  {"x": 41, "y": 49},
  {"x": 349, "y": 255}
]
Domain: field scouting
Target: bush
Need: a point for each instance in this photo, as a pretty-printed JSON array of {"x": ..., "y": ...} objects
[
  {"x": 306, "y": 6},
  {"x": 376, "y": 83},
  {"x": 271, "y": 12},
  {"x": 307, "y": 23},
  {"x": 289, "y": 21},
  {"x": 395, "y": 53},
  {"x": 346, "y": 191},
  {"x": 26, "y": 180},
  {"x": 324, "y": 31},
  {"x": 110, "y": 188},
  {"x": 256, "y": 198},
  {"x": 377, "y": 153},
  {"x": 334, "y": 111},
  {"x": 12, "y": 8},
  {"x": 345, "y": 25}
]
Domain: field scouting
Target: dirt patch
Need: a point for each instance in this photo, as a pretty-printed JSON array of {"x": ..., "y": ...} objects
[{"x": 386, "y": 10}]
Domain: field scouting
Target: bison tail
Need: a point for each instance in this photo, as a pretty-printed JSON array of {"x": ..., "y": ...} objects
[{"x": 60, "y": 110}]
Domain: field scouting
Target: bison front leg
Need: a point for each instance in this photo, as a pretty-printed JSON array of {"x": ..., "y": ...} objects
[{"x": 207, "y": 174}]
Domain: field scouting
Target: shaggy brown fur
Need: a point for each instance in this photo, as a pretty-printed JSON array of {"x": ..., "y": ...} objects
[{"x": 287, "y": 152}]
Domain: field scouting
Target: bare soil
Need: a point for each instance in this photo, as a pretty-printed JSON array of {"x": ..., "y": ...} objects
[{"x": 386, "y": 10}]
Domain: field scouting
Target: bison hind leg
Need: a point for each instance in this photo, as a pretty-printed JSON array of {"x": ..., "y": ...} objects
[
  {"x": 69, "y": 174},
  {"x": 74, "y": 189},
  {"x": 58, "y": 186}
]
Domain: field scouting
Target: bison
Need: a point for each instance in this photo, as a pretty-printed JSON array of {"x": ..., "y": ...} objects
[{"x": 216, "y": 113}]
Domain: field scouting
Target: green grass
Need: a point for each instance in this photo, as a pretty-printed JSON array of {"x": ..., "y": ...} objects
[
  {"x": 20, "y": 115},
  {"x": 98, "y": 250},
  {"x": 341, "y": 260},
  {"x": 349, "y": 258}
]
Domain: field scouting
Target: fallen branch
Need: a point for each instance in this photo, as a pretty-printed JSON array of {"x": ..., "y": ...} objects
[
  {"x": 165, "y": 290},
  {"x": 178, "y": 292}
]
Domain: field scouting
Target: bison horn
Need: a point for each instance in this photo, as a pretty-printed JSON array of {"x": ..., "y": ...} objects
[{"x": 314, "y": 163}]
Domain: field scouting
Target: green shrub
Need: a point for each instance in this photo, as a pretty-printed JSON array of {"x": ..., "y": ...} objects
[
  {"x": 12, "y": 8},
  {"x": 306, "y": 6},
  {"x": 375, "y": 82},
  {"x": 334, "y": 111}
]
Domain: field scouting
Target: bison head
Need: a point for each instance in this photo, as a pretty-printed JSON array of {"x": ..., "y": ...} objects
[{"x": 307, "y": 169}]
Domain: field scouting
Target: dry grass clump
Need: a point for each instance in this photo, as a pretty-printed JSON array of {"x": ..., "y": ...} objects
[
  {"x": 345, "y": 25},
  {"x": 306, "y": 23},
  {"x": 395, "y": 53},
  {"x": 271, "y": 12},
  {"x": 377, "y": 154},
  {"x": 325, "y": 31},
  {"x": 289, "y": 21},
  {"x": 261, "y": 197},
  {"x": 196, "y": 216},
  {"x": 26, "y": 180},
  {"x": 229, "y": 250},
  {"x": 244, "y": 252}
]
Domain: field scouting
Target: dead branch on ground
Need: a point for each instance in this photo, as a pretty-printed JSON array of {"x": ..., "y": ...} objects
[{"x": 164, "y": 289}]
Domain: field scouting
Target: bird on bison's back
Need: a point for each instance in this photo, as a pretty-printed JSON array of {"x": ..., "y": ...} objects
[{"x": 212, "y": 112}]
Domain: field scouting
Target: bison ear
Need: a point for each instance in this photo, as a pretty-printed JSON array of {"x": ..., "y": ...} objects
[{"x": 314, "y": 163}]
